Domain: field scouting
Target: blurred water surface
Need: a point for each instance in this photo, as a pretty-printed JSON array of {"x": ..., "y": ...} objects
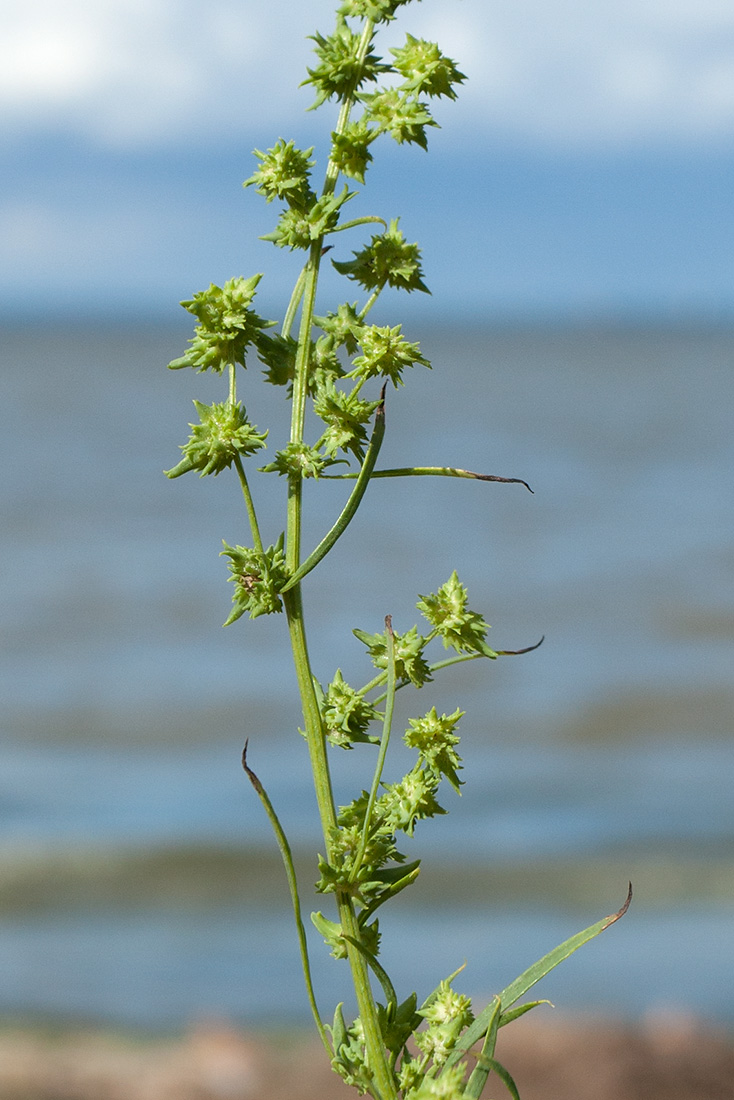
[{"x": 138, "y": 880}]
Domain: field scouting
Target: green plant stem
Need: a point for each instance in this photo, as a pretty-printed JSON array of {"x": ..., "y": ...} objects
[
  {"x": 298, "y": 412},
  {"x": 384, "y": 1086},
  {"x": 315, "y": 738},
  {"x": 370, "y": 302},
  {"x": 290, "y": 870},
  {"x": 384, "y": 742},
  {"x": 290, "y": 313},
  {"x": 376, "y": 1054},
  {"x": 249, "y": 504},
  {"x": 382, "y": 676},
  {"x": 352, "y": 504},
  {"x": 430, "y": 471}
]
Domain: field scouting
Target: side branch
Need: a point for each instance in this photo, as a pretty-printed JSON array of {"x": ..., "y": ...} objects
[
  {"x": 355, "y": 497},
  {"x": 433, "y": 471},
  {"x": 285, "y": 851}
]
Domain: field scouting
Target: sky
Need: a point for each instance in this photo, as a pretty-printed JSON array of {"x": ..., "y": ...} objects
[{"x": 586, "y": 169}]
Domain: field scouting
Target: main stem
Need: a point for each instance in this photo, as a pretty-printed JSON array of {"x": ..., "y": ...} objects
[
  {"x": 384, "y": 1086},
  {"x": 316, "y": 740}
]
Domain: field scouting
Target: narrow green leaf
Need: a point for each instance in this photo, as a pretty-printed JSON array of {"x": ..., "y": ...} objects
[
  {"x": 408, "y": 874},
  {"x": 436, "y": 471},
  {"x": 475, "y": 1084},
  {"x": 504, "y": 1076},
  {"x": 285, "y": 851},
  {"x": 379, "y": 971},
  {"x": 528, "y": 979},
  {"x": 365, "y": 220},
  {"x": 352, "y": 504},
  {"x": 533, "y": 974},
  {"x": 384, "y": 743},
  {"x": 516, "y": 1013}
]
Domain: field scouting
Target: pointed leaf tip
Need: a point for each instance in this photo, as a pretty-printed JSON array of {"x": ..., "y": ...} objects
[{"x": 613, "y": 917}]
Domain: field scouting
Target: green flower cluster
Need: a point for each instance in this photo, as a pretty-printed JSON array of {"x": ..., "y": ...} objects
[
  {"x": 296, "y": 460},
  {"x": 227, "y": 326},
  {"x": 300, "y": 228},
  {"x": 344, "y": 64},
  {"x": 346, "y": 416},
  {"x": 385, "y": 353},
  {"x": 346, "y": 714},
  {"x": 258, "y": 577},
  {"x": 461, "y": 629},
  {"x": 373, "y": 871},
  {"x": 223, "y": 434},
  {"x": 379, "y": 11},
  {"x": 450, "y": 619},
  {"x": 410, "y": 664},
  {"x": 284, "y": 173},
  {"x": 347, "y": 67},
  {"x": 388, "y": 260}
]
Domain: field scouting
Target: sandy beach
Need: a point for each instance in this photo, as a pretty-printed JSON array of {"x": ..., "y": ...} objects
[{"x": 551, "y": 1059}]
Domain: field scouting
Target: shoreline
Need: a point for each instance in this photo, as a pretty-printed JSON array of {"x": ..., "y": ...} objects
[{"x": 664, "y": 1057}]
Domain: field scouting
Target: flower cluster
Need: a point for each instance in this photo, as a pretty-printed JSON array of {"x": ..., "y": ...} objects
[
  {"x": 227, "y": 325},
  {"x": 284, "y": 173},
  {"x": 300, "y": 227},
  {"x": 346, "y": 713},
  {"x": 410, "y": 664},
  {"x": 258, "y": 577},
  {"x": 388, "y": 260},
  {"x": 296, "y": 460},
  {"x": 224, "y": 432},
  {"x": 460, "y": 628},
  {"x": 385, "y": 354}
]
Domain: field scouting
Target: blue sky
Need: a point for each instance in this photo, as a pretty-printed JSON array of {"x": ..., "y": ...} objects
[{"x": 586, "y": 169}]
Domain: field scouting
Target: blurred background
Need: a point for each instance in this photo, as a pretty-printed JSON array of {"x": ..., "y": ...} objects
[{"x": 575, "y": 216}]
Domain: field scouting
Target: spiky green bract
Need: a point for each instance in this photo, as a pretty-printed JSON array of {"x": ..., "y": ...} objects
[
  {"x": 409, "y": 801},
  {"x": 371, "y": 872},
  {"x": 385, "y": 353},
  {"x": 388, "y": 260},
  {"x": 410, "y": 664},
  {"x": 379, "y": 11},
  {"x": 284, "y": 173},
  {"x": 342, "y": 70},
  {"x": 346, "y": 714},
  {"x": 350, "y": 1055},
  {"x": 449, "y": 1086},
  {"x": 299, "y": 228},
  {"x": 346, "y": 839},
  {"x": 401, "y": 115},
  {"x": 447, "y": 1013},
  {"x": 325, "y": 364},
  {"x": 258, "y": 578},
  {"x": 426, "y": 69},
  {"x": 436, "y": 742},
  {"x": 341, "y": 329},
  {"x": 224, "y": 433},
  {"x": 346, "y": 416},
  {"x": 398, "y": 1022},
  {"x": 278, "y": 354},
  {"x": 297, "y": 460},
  {"x": 460, "y": 628},
  {"x": 350, "y": 150},
  {"x": 227, "y": 325},
  {"x": 334, "y": 937}
]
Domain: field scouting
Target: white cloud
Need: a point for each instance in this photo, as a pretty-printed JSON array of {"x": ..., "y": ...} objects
[{"x": 128, "y": 72}]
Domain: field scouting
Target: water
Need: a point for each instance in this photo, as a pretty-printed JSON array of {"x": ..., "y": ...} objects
[{"x": 138, "y": 881}]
